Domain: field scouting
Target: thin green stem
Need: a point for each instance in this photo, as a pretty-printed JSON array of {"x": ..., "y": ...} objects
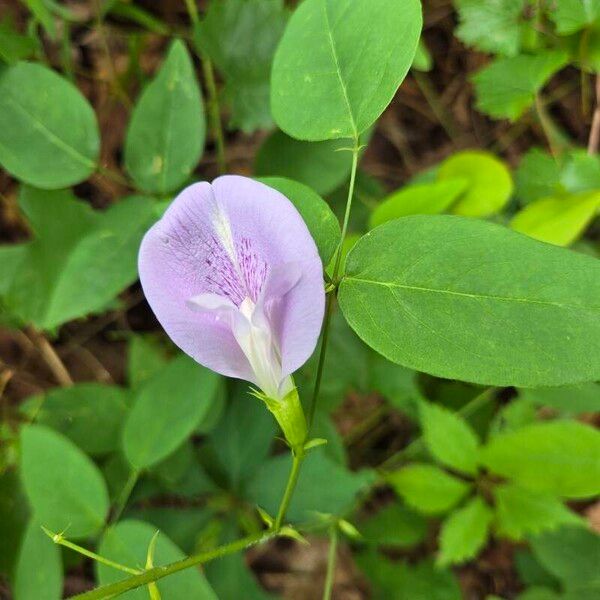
[
  {"x": 331, "y": 558},
  {"x": 124, "y": 495},
  {"x": 334, "y": 279},
  {"x": 297, "y": 458},
  {"x": 57, "y": 538},
  {"x": 156, "y": 573}
]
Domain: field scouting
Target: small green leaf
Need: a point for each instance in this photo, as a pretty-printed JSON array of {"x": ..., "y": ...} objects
[
  {"x": 560, "y": 220},
  {"x": 571, "y": 16},
  {"x": 560, "y": 457},
  {"x": 89, "y": 414},
  {"x": 39, "y": 571},
  {"x": 165, "y": 137},
  {"x": 13, "y": 45},
  {"x": 581, "y": 172},
  {"x": 321, "y": 222},
  {"x": 466, "y": 299},
  {"x": 427, "y": 488},
  {"x": 147, "y": 356},
  {"x": 571, "y": 399},
  {"x": 538, "y": 176},
  {"x": 126, "y": 543},
  {"x": 166, "y": 410},
  {"x": 520, "y": 512},
  {"x": 64, "y": 487},
  {"x": 507, "y": 87},
  {"x": 422, "y": 61},
  {"x": 449, "y": 438},
  {"x": 43, "y": 15},
  {"x": 339, "y": 64},
  {"x": 395, "y": 525},
  {"x": 489, "y": 183},
  {"x": 422, "y": 199},
  {"x": 465, "y": 532},
  {"x": 240, "y": 37},
  {"x": 49, "y": 140}
]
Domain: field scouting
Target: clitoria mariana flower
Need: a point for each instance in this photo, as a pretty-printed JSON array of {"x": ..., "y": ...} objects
[{"x": 234, "y": 277}]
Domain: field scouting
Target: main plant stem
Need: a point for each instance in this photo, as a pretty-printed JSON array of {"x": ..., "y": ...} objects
[
  {"x": 297, "y": 458},
  {"x": 334, "y": 278},
  {"x": 331, "y": 558}
]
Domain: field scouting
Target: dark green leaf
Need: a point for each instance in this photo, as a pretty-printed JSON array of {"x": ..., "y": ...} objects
[
  {"x": 147, "y": 356},
  {"x": 14, "y": 515},
  {"x": 13, "y": 45},
  {"x": 571, "y": 399},
  {"x": 395, "y": 525}
]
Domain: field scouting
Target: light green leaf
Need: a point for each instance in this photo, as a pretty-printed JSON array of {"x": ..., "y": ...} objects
[
  {"x": 581, "y": 172},
  {"x": 319, "y": 165},
  {"x": 422, "y": 61},
  {"x": 126, "y": 543},
  {"x": 321, "y": 222},
  {"x": 540, "y": 593},
  {"x": 395, "y": 525},
  {"x": 427, "y": 488},
  {"x": 493, "y": 26},
  {"x": 166, "y": 410},
  {"x": 166, "y": 133},
  {"x": 507, "y": 87},
  {"x": 240, "y": 37},
  {"x": 572, "y": 15},
  {"x": 489, "y": 183},
  {"x": 79, "y": 259},
  {"x": 39, "y": 571},
  {"x": 465, "y": 532},
  {"x": 64, "y": 487},
  {"x": 339, "y": 64},
  {"x": 537, "y": 177},
  {"x": 449, "y": 438},
  {"x": 560, "y": 220},
  {"x": 571, "y": 399},
  {"x": 484, "y": 304},
  {"x": 520, "y": 512},
  {"x": 89, "y": 414},
  {"x": 47, "y": 139},
  {"x": 559, "y": 457},
  {"x": 423, "y": 199}
]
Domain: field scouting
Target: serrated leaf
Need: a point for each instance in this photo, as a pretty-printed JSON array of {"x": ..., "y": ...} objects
[
  {"x": 423, "y": 199},
  {"x": 240, "y": 37},
  {"x": 47, "y": 139},
  {"x": 493, "y": 26},
  {"x": 489, "y": 183},
  {"x": 165, "y": 137},
  {"x": 507, "y": 87},
  {"x": 560, "y": 220},
  {"x": 449, "y": 438},
  {"x": 560, "y": 457},
  {"x": 521, "y": 512},
  {"x": 465, "y": 299},
  {"x": 465, "y": 532},
  {"x": 428, "y": 489},
  {"x": 64, "y": 487},
  {"x": 339, "y": 63}
]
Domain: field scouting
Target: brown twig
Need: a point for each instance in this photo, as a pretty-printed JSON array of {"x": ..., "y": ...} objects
[
  {"x": 594, "y": 139},
  {"x": 51, "y": 358}
]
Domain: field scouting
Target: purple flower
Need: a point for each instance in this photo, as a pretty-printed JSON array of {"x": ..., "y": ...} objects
[{"x": 234, "y": 277}]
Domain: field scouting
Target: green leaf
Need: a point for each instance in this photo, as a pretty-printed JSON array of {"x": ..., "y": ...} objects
[
  {"x": 240, "y": 37},
  {"x": 530, "y": 571},
  {"x": 537, "y": 177},
  {"x": 473, "y": 307},
  {"x": 570, "y": 553},
  {"x": 13, "y": 45},
  {"x": 14, "y": 516},
  {"x": 560, "y": 457},
  {"x": 572, "y": 399},
  {"x": 465, "y": 532},
  {"x": 507, "y": 87},
  {"x": 423, "y": 199},
  {"x": 395, "y": 525},
  {"x": 449, "y": 438},
  {"x": 64, "y": 487},
  {"x": 540, "y": 593},
  {"x": 321, "y": 222},
  {"x": 339, "y": 64},
  {"x": 581, "y": 172},
  {"x": 494, "y": 26},
  {"x": 422, "y": 61},
  {"x": 89, "y": 414},
  {"x": 48, "y": 139},
  {"x": 166, "y": 410},
  {"x": 560, "y": 220},
  {"x": 43, "y": 15},
  {"x": 323, "y": 486},
  {"x": 427, "y": 488},
  {"x": 166, "y": 133},
  {"x": 126, "y": 543},
  {"x": 489, "y": 183},
  {"x": 520, "y": 512},
  {"x": 323, "y": 166},
  {"x": 39, "y": 572},
  {"x": 147, "y": 356},
  {"x": 572, "y": 15},
  {"x": 396, "y": 383}
]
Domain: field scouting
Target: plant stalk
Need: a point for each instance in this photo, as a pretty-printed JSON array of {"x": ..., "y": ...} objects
[{"x": 331, "y": 559}]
